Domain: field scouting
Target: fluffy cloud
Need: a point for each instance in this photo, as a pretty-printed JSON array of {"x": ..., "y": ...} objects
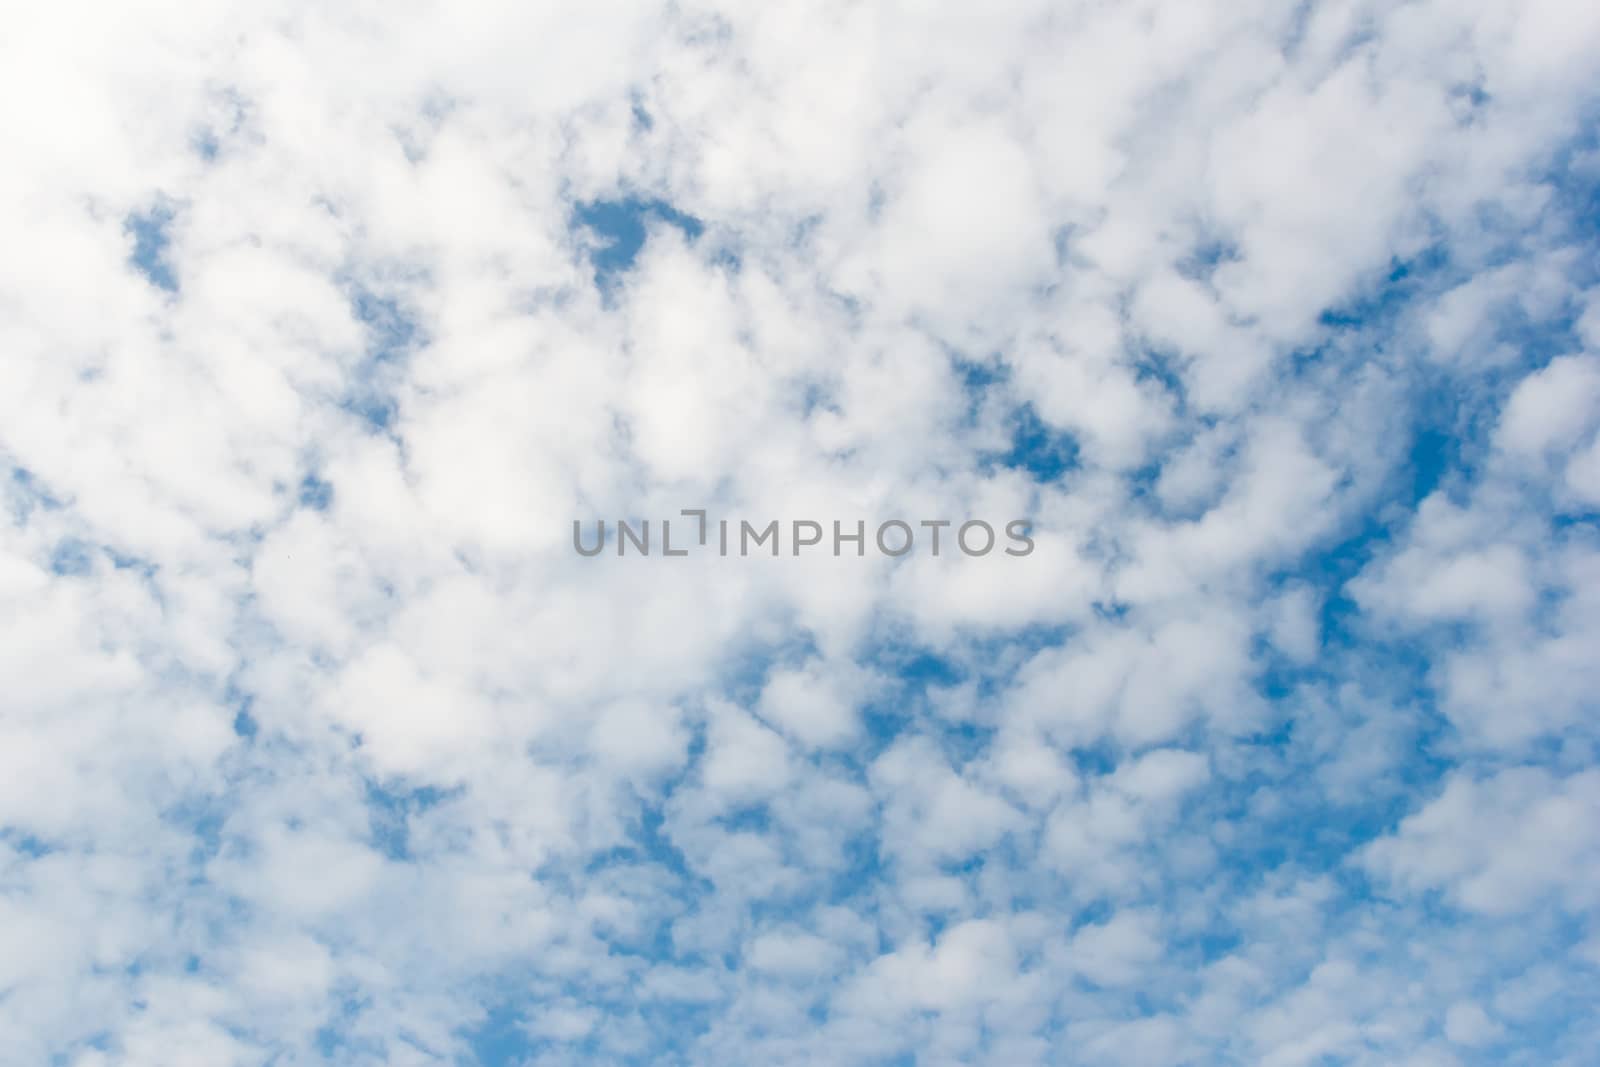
[{"x": 318, "y": 743}]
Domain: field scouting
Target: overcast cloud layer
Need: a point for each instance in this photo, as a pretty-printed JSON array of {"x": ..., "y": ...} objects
[{"x": 320, "y": 323}]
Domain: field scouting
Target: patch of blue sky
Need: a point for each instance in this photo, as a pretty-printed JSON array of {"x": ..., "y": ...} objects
[
  {"x": 642, "y": 119},
  {"x": 389, "y": 814},
  {"x": 509, "y": 1033},
  {"x": 244, "y": 723},
  {"x": 1208, "y": 254},
  {"x": 27, "y": 844},
  {"x": 502, "y": 1037},
  {"x": 71, "y": 558},
  {"x": 392, "y": 333},
  {"x": 125, "y": 562},
  {"x": 987, "y": 662},
  {"x": 391, "y": 329},
  {"x": 1034, "y": 447},
  {"x": 748, "y": 669},
  {"x": 621, "y": 227},
  {"x": 24, "y": 493},
  {"x": 202, "y": 818},
  {"x": 208, "y": 139},
  {"x": 1391, "y": 293},
  {"x": 151, "y": 243},
  {"x": 206, "y": 144},
  {"x": 648, "y": 842},
  {"x": 1043, "y": 452},
  {"x": 1163, "y": 368},
  {"x": 1309, "y": 825},
  {"x": 340, "y": 1042},
  {"x": 978, "y": 375},
  {"x": 315, "y": 493}
]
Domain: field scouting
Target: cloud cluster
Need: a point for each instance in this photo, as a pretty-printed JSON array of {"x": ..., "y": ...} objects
[{"x": 319, "y": 744}]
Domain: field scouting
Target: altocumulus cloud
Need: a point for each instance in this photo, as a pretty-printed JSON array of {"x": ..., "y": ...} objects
[{"x": 321, "y": 323}]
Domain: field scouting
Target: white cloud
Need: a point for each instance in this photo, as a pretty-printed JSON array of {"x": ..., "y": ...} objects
[
  {"x": 318, "y": 743},
  {"x": 1502, "y": 844}
]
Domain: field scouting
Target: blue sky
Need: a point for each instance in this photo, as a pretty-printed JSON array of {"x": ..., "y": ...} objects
[{"x": 1280, "y": 325}]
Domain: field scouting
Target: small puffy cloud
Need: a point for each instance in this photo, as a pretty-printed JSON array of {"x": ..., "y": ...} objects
[{"x": 1500, "y": 845}]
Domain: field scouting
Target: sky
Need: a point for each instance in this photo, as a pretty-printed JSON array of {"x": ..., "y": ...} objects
[{"x": 322, "y": 324}]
